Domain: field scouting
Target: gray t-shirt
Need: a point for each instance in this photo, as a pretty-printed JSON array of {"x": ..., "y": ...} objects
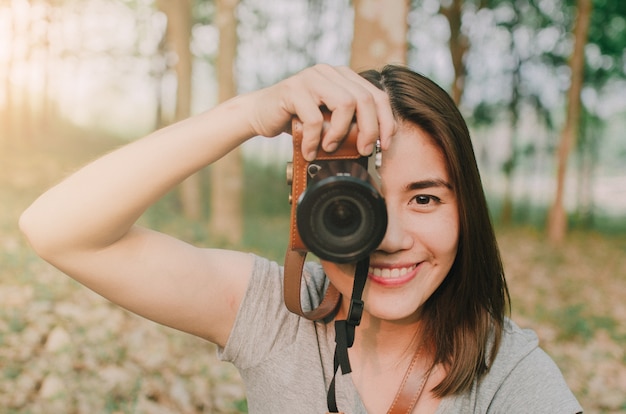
[{"x": 286, "y": 361}]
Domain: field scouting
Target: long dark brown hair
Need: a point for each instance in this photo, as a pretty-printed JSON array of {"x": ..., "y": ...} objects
[{"x": 466, "y": 313}]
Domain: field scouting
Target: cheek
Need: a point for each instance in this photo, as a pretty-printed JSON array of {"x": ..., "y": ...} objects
[{"x": 442, "y": 234}]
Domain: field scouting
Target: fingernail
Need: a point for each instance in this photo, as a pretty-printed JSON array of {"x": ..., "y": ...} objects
[
  {"x": 310, "y": 156},
  {"x": 331, "y": 146},
  {"x": 369, "y": 148}
]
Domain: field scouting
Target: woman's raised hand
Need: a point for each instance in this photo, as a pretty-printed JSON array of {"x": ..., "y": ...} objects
[{"x": 343, "y": 92}]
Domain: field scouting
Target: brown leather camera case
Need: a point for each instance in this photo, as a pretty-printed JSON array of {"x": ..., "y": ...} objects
[{"x": 297, "y": 251}]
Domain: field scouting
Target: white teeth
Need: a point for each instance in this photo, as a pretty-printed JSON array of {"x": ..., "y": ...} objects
[{"x": 387, "y": 273}]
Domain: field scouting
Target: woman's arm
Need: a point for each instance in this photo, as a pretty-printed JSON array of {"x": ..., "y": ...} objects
[{"x": 85, "y": 225}]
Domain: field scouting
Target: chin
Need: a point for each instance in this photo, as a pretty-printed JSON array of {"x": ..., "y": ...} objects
[{"x": 391, "y": 308}]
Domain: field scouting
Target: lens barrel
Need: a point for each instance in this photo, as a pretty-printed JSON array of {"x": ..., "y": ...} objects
[{"x": 341, "y": 216}]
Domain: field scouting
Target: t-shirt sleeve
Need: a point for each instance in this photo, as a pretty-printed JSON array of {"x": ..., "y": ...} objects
[{"x": 263, "y": 322}]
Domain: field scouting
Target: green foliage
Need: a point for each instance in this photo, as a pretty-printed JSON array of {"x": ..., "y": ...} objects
[
  {"x": 572, "y": 323},
  {"x": 528, "y": 212},
  {"x": 607, "y": 34},
  {"x": 116, "y": 403},
  {"x": 484, "y": 114},
  {"x": 576, "y": 322},
  {"x": 266, "y": 210},
  {"x": 204, "y": 11},
  {"x": 265, "y": 207},
  {"x": 266, "y": 191},
  {"x": 12, "y": 371},
  {"x": 17, "y": 322},
  {"x": 241, "y": 406}
]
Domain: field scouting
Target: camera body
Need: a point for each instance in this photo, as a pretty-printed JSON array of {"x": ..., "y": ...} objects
[{"x": 337, "y": 211}]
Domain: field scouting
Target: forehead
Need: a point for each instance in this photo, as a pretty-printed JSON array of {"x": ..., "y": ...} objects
[{"x": 413, "y": 154}]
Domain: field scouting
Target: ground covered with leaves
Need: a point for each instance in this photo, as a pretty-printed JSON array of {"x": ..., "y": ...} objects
[{"x": 64, "y": 349}]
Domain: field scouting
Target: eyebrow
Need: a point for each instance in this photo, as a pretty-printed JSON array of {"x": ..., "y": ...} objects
[{"x": 423, "y": 184}]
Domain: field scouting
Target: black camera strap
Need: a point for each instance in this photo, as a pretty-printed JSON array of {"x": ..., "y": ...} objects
[{"x": 344, "y": 331}]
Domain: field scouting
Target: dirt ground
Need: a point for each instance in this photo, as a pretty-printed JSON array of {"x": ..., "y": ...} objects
[{"x": 64, "y": 349}]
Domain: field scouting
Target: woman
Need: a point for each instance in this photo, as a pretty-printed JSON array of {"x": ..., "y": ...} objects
[{"x": 435, "y": 296}]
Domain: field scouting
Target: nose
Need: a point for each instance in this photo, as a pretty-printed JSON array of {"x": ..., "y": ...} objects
[{"x": 397, "y": 237}]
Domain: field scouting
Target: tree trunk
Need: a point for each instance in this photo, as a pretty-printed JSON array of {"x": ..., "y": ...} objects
[
  {"x": 557, "y": 218},
  {"x": 159, "y": 70},
  {"x": 511, "y": 163},
  {"x": 227, "y": 174},
  {"x": 179, "y": 20},
  {"x": 459, "y": 44},
  {"x": 587, "y": 154},
  {"x": 380, "y": 33}
]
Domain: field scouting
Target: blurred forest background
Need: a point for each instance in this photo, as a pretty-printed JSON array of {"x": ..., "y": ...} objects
[{"x": 542, "y": 84}]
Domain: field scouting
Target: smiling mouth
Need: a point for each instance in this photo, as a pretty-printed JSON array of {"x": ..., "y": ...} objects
[{"x": 390, "y": 273}]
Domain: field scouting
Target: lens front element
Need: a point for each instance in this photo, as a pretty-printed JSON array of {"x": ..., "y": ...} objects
[{"x": 342, "y": 217}]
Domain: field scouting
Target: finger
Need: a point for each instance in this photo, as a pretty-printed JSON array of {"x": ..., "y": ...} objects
[
  {"x": 340, "y": 100},
  {"x": 325, "y": 87},
  {"x": 341, "y": 120},
  {"x": 300, "y": 96},
  {"x": 312, "y": 123},
  {"x": 366, "y": 113},
  {"x": 386, "y": 122}
]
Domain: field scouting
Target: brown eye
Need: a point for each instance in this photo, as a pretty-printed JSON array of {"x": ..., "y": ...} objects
[{"x": 425, "y": 199}]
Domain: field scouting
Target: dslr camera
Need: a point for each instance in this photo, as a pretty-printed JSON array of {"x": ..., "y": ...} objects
[{"x": 337, "y": 211}]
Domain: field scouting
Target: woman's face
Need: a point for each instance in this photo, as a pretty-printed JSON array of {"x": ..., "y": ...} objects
[{"x": 420, "y": 244}]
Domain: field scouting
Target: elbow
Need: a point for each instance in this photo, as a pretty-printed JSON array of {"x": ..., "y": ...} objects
[{"x": 35, "y": 233}]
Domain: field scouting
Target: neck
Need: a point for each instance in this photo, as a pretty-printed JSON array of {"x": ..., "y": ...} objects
[
  {"x": 390, "y": 340},
  {"x": 382, "y": 353},
  {"x": 393, "y": 338}
]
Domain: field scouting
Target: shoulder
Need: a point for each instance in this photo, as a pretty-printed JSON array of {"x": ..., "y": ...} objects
[
  {"x": 523, "y": 378},
  {"x": 272, "y": 347},
  {"x": 517, "y": 344},
  {"x": 264, "y": 325}
]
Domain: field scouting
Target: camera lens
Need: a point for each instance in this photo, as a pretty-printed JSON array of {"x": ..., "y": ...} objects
[{"x": 342, "y": 217}]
